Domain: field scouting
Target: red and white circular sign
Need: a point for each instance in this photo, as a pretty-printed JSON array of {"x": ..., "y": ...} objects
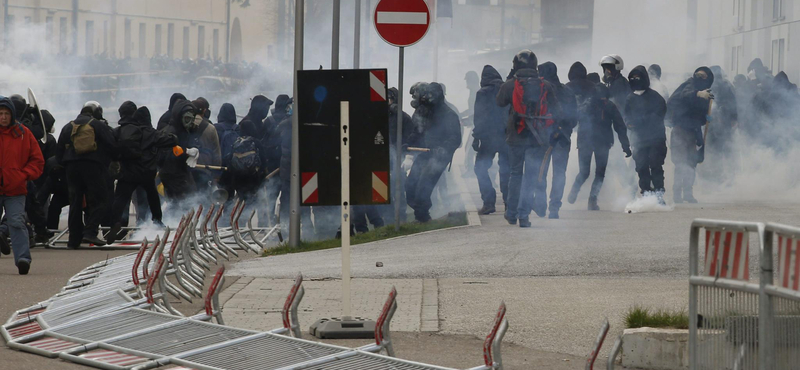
[{"x": 402, "y": 22}]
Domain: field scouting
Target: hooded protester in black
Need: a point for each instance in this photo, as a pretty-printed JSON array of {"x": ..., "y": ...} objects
[
  {"x": 165, "y": 118},
  {"x": 645, "y": 110},
  {"x": 259, "y": 110},
  {"x": 227, "y": 131},
  {"x": 566, "y": 123},
  {"x": 489, "y": 135},
  {"x": 441, "y": 133},
  {"x": 138, "y": 166},
  {"x": 725, "y": 117},
  {"x": 534, "y": 106},
  {"x": 175, "y": 173},
  {"x": 87, "y": 176}
]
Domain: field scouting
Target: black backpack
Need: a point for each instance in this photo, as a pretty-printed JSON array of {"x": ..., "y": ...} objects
[{"x": 245, "y": 156}]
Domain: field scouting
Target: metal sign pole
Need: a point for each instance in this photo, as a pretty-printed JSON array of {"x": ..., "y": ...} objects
[
  {"x": 337, "y": 10},
  {"x": 345, "y": 159},
  {"x": 357, "y": 37},
  {"x": 294, "y": 193},
  {"x": 398, "y": 180}
]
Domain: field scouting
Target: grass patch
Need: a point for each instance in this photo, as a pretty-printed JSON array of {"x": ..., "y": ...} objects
[
  {"x": 639, "y": 317},
  {"x": 381, "y": 233}
]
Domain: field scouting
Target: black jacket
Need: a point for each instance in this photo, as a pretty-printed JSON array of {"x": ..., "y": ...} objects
[
  {"x": 139, "y": 145},
  {"x": 515, "y": 135},
  {"x": 490, "y": 119},
  {"x": 644, "y": 114},
  {"x": 441, "y": 131},
  {"x": 164, "y": 120},
  {"x": 174, "y": 166},
  {"x": 687, "y": 110},
  {"x": 104, "y": 137},
  {"x": 271, "y": 139},
  {"x": 597, "y": 116},
  {"x": 568, "y": 118},
  {"x": 619, "y": 88}
]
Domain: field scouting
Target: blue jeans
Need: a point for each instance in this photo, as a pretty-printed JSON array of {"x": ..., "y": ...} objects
[
  {"x": 483, "y": 161},
  {"x": 14, "y": 208},
  {"x": 525, "y": 191}
]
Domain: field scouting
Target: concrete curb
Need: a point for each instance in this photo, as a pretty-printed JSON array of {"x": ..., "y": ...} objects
[{"x": 656, "y": 349}]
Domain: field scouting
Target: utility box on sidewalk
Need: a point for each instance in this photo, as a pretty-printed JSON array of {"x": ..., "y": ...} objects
[{"x": 336, "y": 328}]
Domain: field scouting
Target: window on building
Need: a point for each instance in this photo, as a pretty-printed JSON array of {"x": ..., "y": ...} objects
[
  {"x": 142, "y": 40},
  {"x": 62, "y": 35},
  {"x": 128, "y": 41},
  {"x": 105, "y": 36},
  {"x": 215, "y": 44},
  {"x": 158, "y": 40},
  {"x": 738, "y": 13},
  {"x": 171, "y": 40},
  {"x": 777, "y": 10},
  {"x": 48, "y": 32},
  {"x": 201, "y": 42},
  {"x": 185, "y": 42},
  {"x": 778, "y": 50},
  {"x": 89, "y": 50}
]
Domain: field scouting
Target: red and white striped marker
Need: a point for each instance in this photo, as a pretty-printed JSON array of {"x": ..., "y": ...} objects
[
  {"x": 377, "y": 85},
  {"x": 380, "y": 186},
  {"x": 310, "y": 187},
  {"x": 727, "y": 255},
  {"x": 402, "y": 23},
  {"x": 789, "y": 262}
]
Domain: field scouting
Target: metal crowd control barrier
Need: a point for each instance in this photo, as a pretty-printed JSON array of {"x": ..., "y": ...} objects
[{"x": 735, "y": 323}]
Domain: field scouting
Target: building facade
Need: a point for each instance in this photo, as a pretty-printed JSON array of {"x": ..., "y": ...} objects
[
  {"x": 226, "y": 30},
  {"x": 731, "y": 33}
]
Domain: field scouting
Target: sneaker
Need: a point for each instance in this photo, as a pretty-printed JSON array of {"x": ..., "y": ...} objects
[
  {"x": 572, "y": 197},
  {"x": 113, "y": 234},
  {"x": 593, "y": 204},
  {"x": 511, "y": 220},
  {"x": 487, "y": 209},
  {"x": 524, "y": 222},
  {"x": 554, "y": 214},
  {"x": 690, "y": 199},
  {"x": 94, "y": 240},
  {"x": 5, "y": 247},
  {"x": 23, "y": 266},
  {"x": 160, "y": 225}
]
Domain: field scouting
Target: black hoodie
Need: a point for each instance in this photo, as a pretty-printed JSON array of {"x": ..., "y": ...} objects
[
  {"x": 566, "y": 98},
  {"x": 490, "y": 119},
  {"x": 644, "y": 113},
  {"x": 686, "y": 109},
  {"x": 164, "y": 120},
  {"x": 104, "y": 137},
  {"x": 139, "y": 145}
]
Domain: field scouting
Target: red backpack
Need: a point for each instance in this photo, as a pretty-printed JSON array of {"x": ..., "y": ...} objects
[{"x": 530, "y": 103}]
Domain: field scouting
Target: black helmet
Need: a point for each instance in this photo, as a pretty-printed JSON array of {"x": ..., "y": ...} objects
[{"x": 525, "y": 59}]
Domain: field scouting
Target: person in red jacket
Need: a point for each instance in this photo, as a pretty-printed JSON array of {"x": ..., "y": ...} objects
[{"x": 20, "y": 161}]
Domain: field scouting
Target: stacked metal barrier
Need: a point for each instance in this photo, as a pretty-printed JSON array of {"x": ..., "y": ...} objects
[
  {"x": 736, "y": 322},
  {"x": 115, "y": 314}
]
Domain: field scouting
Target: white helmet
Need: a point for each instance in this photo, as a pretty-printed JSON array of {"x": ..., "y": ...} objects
[{"x": 614, "y": 59}]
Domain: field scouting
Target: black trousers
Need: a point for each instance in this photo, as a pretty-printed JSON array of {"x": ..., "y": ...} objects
[
  {"x": 58, "y": 202},
  {"x": 125, "y": 189},
  {"x": 585, "y": 164},
  {"x": 650, "y": 165},
  {"x": 425, "y": 173},
  {"x": 86, "y": 179},
  {"x": 360, "y": 215}
]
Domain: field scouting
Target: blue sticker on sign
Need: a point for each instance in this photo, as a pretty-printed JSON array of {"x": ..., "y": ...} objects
[{"x": 320, "y": 93}]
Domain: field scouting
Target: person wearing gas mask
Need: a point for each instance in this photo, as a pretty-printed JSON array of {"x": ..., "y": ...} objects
[
  {"x": 645, "y": 110},
  {"x": 530, "y": 131},
  {"x": 397, "y": 194},
  {"x": 720, "y": 139},
  {"x": 176, "y": 164},
  {"x": 689, "y": 109},
  {"x": 209, "y": 146},
  {"x": 440, "y": 133},
  {"x": 489, "y": 140},
  {"x": 618, "y": 86},
  {"x": 85, "y": 148},
  {"x": 567, "y": 122}
]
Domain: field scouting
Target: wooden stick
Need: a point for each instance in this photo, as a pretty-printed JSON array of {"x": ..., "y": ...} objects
[
  {"x": 210, "y": 167},
  {"x": 273, "y": 173},
  {"x": 413, "y": 149}
]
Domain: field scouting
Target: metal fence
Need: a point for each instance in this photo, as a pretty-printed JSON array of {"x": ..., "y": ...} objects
[{"x": 738, "y": 321}]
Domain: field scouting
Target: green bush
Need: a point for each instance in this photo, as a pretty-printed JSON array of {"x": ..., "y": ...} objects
[{"x": 640, "y": 317}]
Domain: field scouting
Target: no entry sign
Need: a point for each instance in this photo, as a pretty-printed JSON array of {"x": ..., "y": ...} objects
[{"x": 402, "y": 22}]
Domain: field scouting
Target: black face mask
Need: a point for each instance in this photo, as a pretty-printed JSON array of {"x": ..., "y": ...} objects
[
  {"x": 701, "y": 84},
  {"x": 637, "y": 84}
]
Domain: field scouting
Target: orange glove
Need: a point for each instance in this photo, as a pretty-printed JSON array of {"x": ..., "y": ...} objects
[{"x": 177, "y": 150}]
